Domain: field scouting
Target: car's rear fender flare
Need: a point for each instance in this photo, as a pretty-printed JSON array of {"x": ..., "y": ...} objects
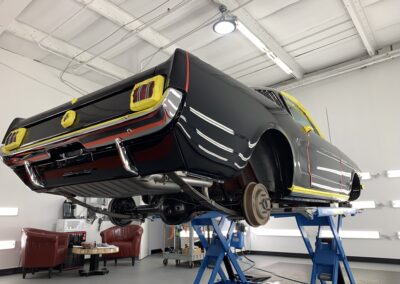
[{"x": 284, "y": 159}]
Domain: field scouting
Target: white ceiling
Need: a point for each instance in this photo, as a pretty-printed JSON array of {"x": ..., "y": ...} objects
[{"x": 315, "y": 33}]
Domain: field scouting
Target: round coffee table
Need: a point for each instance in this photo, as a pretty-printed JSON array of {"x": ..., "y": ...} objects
[{"x": 94, "y": 259}]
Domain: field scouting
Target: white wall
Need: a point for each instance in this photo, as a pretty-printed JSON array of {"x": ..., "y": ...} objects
[
  {"x": 22, "y": 95},
  {"x": 364, "y": 118}
]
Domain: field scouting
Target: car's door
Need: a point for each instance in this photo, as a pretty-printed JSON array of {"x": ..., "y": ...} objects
[{"x": 324, "y": 164}]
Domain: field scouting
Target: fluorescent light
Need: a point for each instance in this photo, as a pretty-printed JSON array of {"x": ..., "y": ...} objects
[
  {"x": 277, "y": 232},
  {"x": 393, "y": 173},
  {"x": 363, "y": 204},
  {"x": 365, "y": 175},
  {"x": 261, "y": 46},
  {"x": 351, "y": 234},
  {"x": 398, "y": 235},
  {"x": 8, "y": 211},
  {"x": 7, "y": 245},
  {"x": 396, "y": 203}
]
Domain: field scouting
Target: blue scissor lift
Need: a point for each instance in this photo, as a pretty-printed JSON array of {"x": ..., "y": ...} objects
[{"x": 326, "y": 256}]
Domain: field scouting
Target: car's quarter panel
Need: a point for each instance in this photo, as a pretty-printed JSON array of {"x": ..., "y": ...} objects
[
  {"x": 349, "y": 170},
  {"x": 326, "y": 169},
  {"x": 221, "y": 121}
]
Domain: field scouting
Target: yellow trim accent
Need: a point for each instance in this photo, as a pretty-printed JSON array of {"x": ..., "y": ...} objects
[
  {"x": 155, "y": 97},
  {"x": 304, "y": 110},
  {"x": 308, "y": 191},
  {"x": 308, "y": 128},
  {"x": 74, "y": 101},
  {"x": 105, "y": 123},
  {"x": 20, "y": 134},
  {"x": 68, "y": 118}
]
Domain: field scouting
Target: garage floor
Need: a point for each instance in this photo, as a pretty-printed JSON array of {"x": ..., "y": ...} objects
[{"x": 151, "y": 271}]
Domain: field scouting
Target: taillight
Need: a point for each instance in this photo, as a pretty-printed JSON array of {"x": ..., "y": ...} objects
[
  {"x": 14, "y": 139},
  {"x": 147, "y": 93}
]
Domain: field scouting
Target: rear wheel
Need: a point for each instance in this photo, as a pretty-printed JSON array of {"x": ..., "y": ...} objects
[{"x": 122, "y": 206}]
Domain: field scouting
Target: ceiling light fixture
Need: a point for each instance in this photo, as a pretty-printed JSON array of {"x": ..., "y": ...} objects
[
  {"x": 363, "y": 204},
  {"x": 351, "y": 234},
  {"x": 277, "y": 232},
  {"x": 261, "y": 46},
  {"x": 7, "y": 244},
  {"x": 365, "y": 176},
  {"x": 226, "y": 23},
  {"x": 8, "y": 211},
  {"x": 393, "y": 174},
  {"x": 396, "y": 203}
]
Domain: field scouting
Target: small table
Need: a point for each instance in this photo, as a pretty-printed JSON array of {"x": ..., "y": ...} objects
[{"x": 94, "y": 259}]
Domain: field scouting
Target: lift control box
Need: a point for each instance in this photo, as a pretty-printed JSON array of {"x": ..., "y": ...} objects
[{"x": 237, "y": 240}]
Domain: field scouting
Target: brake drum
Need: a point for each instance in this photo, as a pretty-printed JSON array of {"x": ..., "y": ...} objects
[{"x": 256, "y": 204}]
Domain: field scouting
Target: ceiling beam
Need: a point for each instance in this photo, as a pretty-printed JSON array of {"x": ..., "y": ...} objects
[
  {"x": 10, "y": 10},
  {"x": 130, "y": 23},
  {"x": 67, "y": 50},
  {"x": 340, "y": 69},
  {"x": 252, "y": 25},
  {"x": 360, "y": 21}
]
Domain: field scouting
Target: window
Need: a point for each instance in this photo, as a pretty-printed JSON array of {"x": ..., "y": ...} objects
[
  {"x": 271, "y": 95},
  {"x": 298, "y": 114}
]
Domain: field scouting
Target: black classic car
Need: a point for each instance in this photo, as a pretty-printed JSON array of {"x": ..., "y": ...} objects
[{"x": 187, "y": 138}]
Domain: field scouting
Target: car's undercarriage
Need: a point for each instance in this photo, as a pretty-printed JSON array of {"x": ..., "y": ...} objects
[{"x": 241, "y": 197}]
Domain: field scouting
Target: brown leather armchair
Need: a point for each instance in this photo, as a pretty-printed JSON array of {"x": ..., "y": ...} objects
[
  {"x": 128, "y": 240},
  {"x": 42, "y": 249}
]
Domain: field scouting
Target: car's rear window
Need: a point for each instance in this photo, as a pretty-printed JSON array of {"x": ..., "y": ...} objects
[{"x": 272, "y": 96}]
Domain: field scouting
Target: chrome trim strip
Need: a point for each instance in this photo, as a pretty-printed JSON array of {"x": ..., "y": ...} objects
[
  {"x": 336, "y": 172},
  {"x": 212, "y": 141},
  {"x": 328, "y": 156},
  {"x": 240, "y": 167},
  {"x": 35, "y": 180},
  {"x": 213, "y": 154},
  {"x": 251, "y": 145},
  {"x": 341, "y": 161},
  {"x": 245, "y": 159},
  {"x": 330, "y": 188},
  {"x": 184, "y": 130},
  {"x": 176, "y": 93},
  {"x": 212, "y": 121},
  {"x": 125, "y": 158},
  {"x": 172, "y": 104}
]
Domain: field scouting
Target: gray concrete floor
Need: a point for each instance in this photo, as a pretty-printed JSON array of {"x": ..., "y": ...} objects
[{"x": 151, "y": 271}]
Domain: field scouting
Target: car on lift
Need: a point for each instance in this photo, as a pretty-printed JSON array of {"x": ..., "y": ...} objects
[{"x": 188, "y": 139}]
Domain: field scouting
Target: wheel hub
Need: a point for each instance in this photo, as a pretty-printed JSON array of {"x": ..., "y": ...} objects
[{"x": 256, "y": 204}]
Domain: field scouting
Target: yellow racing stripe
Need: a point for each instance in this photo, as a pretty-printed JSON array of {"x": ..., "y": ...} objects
[{"x": 315, "y": 192}]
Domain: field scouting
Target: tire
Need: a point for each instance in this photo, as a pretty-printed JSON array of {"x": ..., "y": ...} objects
[{"x": 165, "y": 261}]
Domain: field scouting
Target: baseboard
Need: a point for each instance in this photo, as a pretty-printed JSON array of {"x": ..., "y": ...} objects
[
  {"x": 304, "y": 255},
  {"x": 156, "y": 251},
  {"x": 9, "y": 271}
]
